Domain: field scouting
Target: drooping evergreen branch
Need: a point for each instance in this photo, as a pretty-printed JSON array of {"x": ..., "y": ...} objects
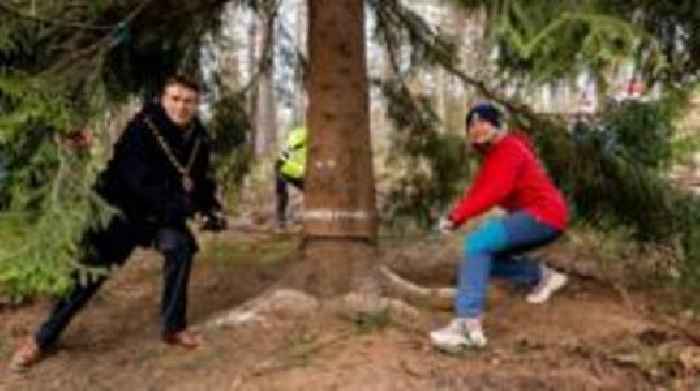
[
  {"x": 106, "y": 42},
  {"x": 54, "y": 78},
  {"x": 52, "y": 20},
  {"x": 393, "y": 17}
]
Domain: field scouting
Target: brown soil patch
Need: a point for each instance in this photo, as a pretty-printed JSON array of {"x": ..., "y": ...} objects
[{"x": 574, "y": 342}]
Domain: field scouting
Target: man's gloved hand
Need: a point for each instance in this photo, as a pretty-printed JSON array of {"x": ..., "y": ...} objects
[
  {"x": 445, "y": 225},
  {"x": 214, "y": 221}
]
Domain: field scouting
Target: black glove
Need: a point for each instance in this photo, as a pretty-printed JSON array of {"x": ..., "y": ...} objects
[{"x": 214, "y": 221}]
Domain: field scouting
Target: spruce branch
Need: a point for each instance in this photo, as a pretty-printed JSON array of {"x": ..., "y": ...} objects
[
  {"x": 4, "y": 5},
  {"x": 106, "y": 42}
]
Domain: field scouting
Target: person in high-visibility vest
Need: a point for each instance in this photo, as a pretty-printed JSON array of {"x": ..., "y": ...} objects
[{"x": 290, "y": 168}]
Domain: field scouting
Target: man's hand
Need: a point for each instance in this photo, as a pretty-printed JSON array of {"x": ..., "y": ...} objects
[
  {"x": 215, "y": 222},
  {"x": 445, "y": 225}
]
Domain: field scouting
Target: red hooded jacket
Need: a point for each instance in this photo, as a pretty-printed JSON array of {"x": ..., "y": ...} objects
[{"x": 512, "y": 177}]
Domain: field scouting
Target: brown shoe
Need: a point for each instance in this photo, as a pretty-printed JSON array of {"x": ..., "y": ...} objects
[
  {"x": 27, "y": 354},
  {"x": 184, "y": 338}
]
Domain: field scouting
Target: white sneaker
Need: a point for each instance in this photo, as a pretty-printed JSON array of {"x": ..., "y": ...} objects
[
  {"x": 550, "y": 282},
  {"x": 459, "y": 333}
]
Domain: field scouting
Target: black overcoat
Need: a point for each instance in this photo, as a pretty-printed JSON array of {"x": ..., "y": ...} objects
[{"x": 143, "y": 182}]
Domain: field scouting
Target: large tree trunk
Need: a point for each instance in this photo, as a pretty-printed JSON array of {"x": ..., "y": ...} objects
[{"x": 340, "y": 221}]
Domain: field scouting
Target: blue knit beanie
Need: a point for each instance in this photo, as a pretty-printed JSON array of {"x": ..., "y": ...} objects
[{"x": 487, "y": 112}]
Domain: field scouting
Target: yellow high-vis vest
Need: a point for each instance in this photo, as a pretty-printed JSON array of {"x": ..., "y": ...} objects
[{"x": 293, "y": 157}]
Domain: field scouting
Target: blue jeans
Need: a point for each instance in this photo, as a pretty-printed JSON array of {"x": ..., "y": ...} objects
[{"x": 496, "y": 248}]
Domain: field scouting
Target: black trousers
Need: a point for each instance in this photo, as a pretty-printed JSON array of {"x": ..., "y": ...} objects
[
  {"x": 112, "y": 246},
  {"x": 282, "y": 192}
]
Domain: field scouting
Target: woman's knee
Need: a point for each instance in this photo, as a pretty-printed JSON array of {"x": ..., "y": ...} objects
[
  {"x": 475, "y": 261},
  {"x": 489, "y": 238}
]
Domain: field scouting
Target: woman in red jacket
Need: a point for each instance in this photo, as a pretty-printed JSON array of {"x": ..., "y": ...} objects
[{"x": 510, "y": 176}]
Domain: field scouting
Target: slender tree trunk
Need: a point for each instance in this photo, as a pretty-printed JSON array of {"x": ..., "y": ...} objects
[
  {"x": 340, "y": 222},
  {"x": 252, "y": 68},
  {"x": 267, "y": 107},
  {"x": 230, "y": 66},
  {"x": 299, "y": 97}
]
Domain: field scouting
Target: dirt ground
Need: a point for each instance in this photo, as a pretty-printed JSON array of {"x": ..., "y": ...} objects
[{"x": 586, "y": 338}]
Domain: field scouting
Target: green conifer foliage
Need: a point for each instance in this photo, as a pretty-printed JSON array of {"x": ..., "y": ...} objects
[{"x": 63, "y": 65}]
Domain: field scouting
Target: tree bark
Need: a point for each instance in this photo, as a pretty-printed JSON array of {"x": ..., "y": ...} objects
[
  {"x": 252, "y": 64},
  {"x": 299, "y": 93},
  {"x": 229, "y": 61},
  {"x": 340, "y": 221},
  {"x": 267, "y": 106}
]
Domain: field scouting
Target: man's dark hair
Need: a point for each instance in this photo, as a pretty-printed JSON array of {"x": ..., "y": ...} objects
[{"x": 182, "y": 80}]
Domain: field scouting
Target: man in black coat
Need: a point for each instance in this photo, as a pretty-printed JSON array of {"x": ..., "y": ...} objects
[{"x": 157, "y": 178}]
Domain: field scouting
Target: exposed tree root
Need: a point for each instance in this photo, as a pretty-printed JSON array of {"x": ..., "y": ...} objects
[
  {"x": 279, "y": 302},
  {"x": 288, "y": 303},
  {"x": 377, "y": 289},
  {"x": 397, "y": 286}
]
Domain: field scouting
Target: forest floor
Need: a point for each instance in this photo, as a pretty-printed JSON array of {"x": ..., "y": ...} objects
[{"x": 588, "y": 337}]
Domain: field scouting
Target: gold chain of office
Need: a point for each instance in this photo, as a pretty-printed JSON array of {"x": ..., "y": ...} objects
[{"x": 187, "y": 182}]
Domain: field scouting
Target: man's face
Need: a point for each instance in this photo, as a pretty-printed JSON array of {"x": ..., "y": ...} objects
[
  {"x": 480, "y": 131},
  {"x": 180, "y": 103}
]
